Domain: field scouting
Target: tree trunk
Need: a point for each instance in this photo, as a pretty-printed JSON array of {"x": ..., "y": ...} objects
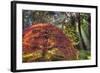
[{"x": 78, "y": 29}]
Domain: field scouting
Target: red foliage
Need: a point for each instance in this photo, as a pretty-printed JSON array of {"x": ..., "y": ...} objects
[{"x": 45, "y": 36}]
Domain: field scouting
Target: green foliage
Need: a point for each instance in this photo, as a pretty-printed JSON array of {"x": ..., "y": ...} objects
[
  {"x": 84, "y": 55},
  {"x": 69, "y": 30}
]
